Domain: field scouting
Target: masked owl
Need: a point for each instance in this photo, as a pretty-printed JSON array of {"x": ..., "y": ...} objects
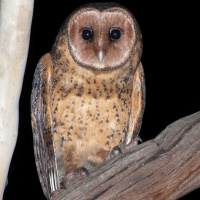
[{"x": 88, "y": 93}]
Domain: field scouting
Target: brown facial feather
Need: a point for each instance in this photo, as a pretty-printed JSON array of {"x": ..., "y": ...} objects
[{"x": 116, "y": 52}]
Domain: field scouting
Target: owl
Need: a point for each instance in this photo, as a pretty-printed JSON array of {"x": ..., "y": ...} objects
[{"x": 88, "y": 93}]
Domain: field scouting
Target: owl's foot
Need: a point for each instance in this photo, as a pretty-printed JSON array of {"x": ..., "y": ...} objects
[
  {"x": 118, "y": 149},
  {"x": 115, "y": 151},
  {"x": 69, "y": 177},
  {"x": 135, "y": 141},
  {"x": 72, "y": 175}
]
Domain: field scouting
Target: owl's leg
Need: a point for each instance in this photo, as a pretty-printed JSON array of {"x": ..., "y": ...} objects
[{"x": 73, "y": 165}]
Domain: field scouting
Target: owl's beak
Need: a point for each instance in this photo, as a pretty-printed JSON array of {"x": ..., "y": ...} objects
[{"x": 101, "y": 55}]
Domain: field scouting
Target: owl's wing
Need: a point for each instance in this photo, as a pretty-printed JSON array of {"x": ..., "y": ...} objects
[
  {"x": 138, "y": 105},
  {"x": 42, "y": 126}
]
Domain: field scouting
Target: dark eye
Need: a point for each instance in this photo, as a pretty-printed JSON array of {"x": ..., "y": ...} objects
[
  {"x": 87, "y": 34},
  {"x": 115, "y": 34}
]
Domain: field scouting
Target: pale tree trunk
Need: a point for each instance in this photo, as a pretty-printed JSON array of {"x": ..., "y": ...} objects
[
  {"x": 15, "y": 26},
  {"x": 165, "y": 168}
]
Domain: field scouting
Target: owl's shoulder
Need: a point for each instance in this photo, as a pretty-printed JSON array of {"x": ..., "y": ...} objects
[
  {"x": 46, "y": 60},
  {"x": 43, "y": 69}
]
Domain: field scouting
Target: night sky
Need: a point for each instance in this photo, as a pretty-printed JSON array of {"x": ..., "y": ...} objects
[{"x": 170, "y": 59}]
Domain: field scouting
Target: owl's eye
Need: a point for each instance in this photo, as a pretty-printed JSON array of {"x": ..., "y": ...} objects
[
  {"x": 115, "y": 34},
  {"x": 87, "y": 34}
]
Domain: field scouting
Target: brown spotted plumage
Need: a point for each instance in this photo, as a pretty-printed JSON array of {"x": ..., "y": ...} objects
[{"x": 88, "y": 94}]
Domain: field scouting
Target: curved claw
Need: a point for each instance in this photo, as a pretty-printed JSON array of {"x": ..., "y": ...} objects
[
  {"x": 117, "y": 148},
  {"x": 134, "y": 142},
  {"x": 86, "y": 172},
  {"x": 63, "y": 185},
  {"x": 138, "y": 139}
]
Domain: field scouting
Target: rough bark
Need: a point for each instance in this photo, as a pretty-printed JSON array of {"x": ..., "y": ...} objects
[
  {"x": 167, "y": 167},
  {"x": 15, "y": 26}
]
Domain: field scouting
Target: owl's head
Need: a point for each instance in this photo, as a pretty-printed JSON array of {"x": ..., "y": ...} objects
[{"x": 102, "y": 36}]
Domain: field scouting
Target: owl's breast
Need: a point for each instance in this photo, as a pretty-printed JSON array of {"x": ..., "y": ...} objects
[
  {"x": 97, "y": 114},
  {"x": 92, "y": 109},
  {"x": 90, "y": 119}
]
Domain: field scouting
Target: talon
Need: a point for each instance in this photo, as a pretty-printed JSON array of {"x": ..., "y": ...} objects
[
  {"x": 117, "y": 148},
  {"x": 134, "y": 142},
  {"x": 86, "y": 172},
  {"x": 137, "y": 140},
  {"x": 63, "y": 185},
  {"x": 140, "y": 140}
]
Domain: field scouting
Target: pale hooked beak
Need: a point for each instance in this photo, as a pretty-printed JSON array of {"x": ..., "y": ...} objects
[{"x": 101, "y": 55}]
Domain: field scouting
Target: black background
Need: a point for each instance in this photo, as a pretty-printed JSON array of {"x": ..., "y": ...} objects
[{"x": 170, "y": 59}]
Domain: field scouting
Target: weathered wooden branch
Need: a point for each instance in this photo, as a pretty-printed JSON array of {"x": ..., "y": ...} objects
[
  {"x": 167, "y": 167},
  {"x": 15, "y": 26}
]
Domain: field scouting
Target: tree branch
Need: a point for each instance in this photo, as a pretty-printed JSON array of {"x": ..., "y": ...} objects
[{"x": 167, "y": 167}]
